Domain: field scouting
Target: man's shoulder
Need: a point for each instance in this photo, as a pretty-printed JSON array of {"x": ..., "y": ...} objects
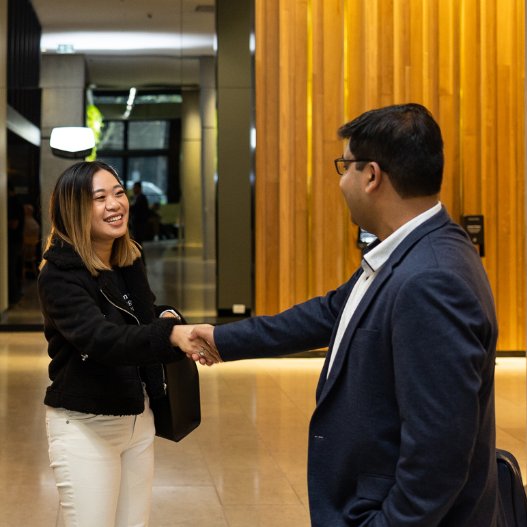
[{"x": 445, "y": 247}]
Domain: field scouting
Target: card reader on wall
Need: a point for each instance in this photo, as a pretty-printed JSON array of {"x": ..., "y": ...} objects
[{"x": 473, "y": 224}]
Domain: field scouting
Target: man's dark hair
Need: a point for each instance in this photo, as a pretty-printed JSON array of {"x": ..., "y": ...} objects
[{"x": 405, "y": 141}]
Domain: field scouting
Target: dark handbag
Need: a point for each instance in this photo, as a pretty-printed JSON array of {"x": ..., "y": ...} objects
[
  {"x": 179, "y": 411},
  {"x": 512, "y": 498}
]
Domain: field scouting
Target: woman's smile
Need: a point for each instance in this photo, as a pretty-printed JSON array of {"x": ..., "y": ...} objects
[{"x": 110, "y": 208}]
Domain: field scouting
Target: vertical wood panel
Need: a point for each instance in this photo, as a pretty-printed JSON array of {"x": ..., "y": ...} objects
[
  {"x": 267, "y": 285},
  {"x": 328, "y": 76},
  {"x": 320, "y": 63},
  {"x": 470, "y": 104},
  {"x": 449, "y": 103},
  {"x": 386, "y": 46},
  {"x": 286, "y": 179},
  {"x": 518, "y": 9},
  {"x": 401, "y": 49},
  {"x": 510, "y": 179},
  {"x": 489, "y": 119},
  {"x": 355, "y": 32}
]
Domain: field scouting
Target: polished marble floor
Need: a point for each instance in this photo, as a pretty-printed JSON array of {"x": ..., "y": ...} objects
[{"x": 245, "y": 466}]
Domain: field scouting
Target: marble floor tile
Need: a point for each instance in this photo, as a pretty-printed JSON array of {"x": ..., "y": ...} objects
[
  {"x": 264, "y": 516},
  {"x": 245, "y": 466}
]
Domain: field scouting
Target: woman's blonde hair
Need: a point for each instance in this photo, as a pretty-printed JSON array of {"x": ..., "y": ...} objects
[{"x": 70, "y": 211}]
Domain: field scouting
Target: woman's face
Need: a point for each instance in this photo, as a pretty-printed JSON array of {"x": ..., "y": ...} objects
[{"x": 110, "y": 208}]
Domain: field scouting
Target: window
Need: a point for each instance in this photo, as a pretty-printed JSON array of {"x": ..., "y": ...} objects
[
  {"x": 139, "y": 151},
  {"x": 148, "y": 135},
  {"x": 112, "y": 136}
]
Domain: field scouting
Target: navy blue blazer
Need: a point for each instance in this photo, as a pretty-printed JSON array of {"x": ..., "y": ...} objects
[{"x": 403, "y": 433}]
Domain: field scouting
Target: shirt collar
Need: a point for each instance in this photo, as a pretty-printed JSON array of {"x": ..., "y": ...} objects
[{"x": 375, "y": 258}]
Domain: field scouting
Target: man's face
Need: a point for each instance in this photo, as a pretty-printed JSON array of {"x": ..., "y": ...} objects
[{"x": 351, "y": 187}]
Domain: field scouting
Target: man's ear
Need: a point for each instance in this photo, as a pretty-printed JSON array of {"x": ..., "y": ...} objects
[{"x": 374, "y": 176}]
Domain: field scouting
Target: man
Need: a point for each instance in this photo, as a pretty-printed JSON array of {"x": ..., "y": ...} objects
[
  {"x": 139, "y": 213},
  {"x": 403, "y": 433}
]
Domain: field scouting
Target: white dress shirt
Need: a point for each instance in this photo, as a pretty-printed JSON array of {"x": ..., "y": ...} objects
[{"x": 371, "y": 264}]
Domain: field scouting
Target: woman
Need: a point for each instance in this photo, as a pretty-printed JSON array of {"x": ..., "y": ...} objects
[{"x": 106, "y": 347}]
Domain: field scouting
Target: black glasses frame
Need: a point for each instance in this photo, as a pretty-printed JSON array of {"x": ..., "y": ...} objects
[{"x": 342, "y": 165}]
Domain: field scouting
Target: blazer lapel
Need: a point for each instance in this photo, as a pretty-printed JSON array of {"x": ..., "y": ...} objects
[
  {"x": 323, "y": 374},
  {"x": 326, "y": 383}
]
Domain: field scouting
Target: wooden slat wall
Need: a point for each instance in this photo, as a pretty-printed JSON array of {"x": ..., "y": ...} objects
[{"x": 320, "y": 63}]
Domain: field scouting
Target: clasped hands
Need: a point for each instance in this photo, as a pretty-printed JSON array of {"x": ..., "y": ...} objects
[{"x": 197, "y": 342}]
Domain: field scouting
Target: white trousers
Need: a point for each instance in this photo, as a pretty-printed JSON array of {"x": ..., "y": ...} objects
[{"x": 103, "y": 466}]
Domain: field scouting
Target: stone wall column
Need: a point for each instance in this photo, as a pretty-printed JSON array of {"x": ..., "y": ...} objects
[
  {"x": 191, "y": 188},
  {"x": 63, "y": 83},
  {"x": 209, "y": 137}
]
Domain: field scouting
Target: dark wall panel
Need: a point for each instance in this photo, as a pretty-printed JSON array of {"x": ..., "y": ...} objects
[{"x": 23, "y": 64}]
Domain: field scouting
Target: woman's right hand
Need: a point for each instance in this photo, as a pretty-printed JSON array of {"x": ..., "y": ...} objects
[
  {"x": 199, "y": 349},
  {"x": 180, "y": 338}
]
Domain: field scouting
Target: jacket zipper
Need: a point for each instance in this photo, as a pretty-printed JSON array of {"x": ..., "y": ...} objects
[
  {"x": 138, "y": 323},
  {"x": 119, "y": 307}
]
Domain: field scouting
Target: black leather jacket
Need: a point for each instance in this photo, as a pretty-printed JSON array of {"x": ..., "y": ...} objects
[{"x": 101, "y": 352}]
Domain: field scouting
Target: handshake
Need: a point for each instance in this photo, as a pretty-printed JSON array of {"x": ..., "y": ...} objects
[{"x": 197, "y": 342}]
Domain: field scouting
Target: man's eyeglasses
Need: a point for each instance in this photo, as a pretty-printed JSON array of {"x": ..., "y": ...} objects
[{"x": 342, "y": 165}]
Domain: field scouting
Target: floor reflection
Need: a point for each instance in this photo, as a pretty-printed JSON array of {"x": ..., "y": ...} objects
[{"x": 26, "y": 312}]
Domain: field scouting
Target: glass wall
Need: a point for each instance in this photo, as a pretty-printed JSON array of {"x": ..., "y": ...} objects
[
  {"x": 142, "y": 149},
  {"x": 139, "y": 152}
]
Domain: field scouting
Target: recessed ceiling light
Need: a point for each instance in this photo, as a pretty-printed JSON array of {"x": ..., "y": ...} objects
[{"x": 104, "y": 41}]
